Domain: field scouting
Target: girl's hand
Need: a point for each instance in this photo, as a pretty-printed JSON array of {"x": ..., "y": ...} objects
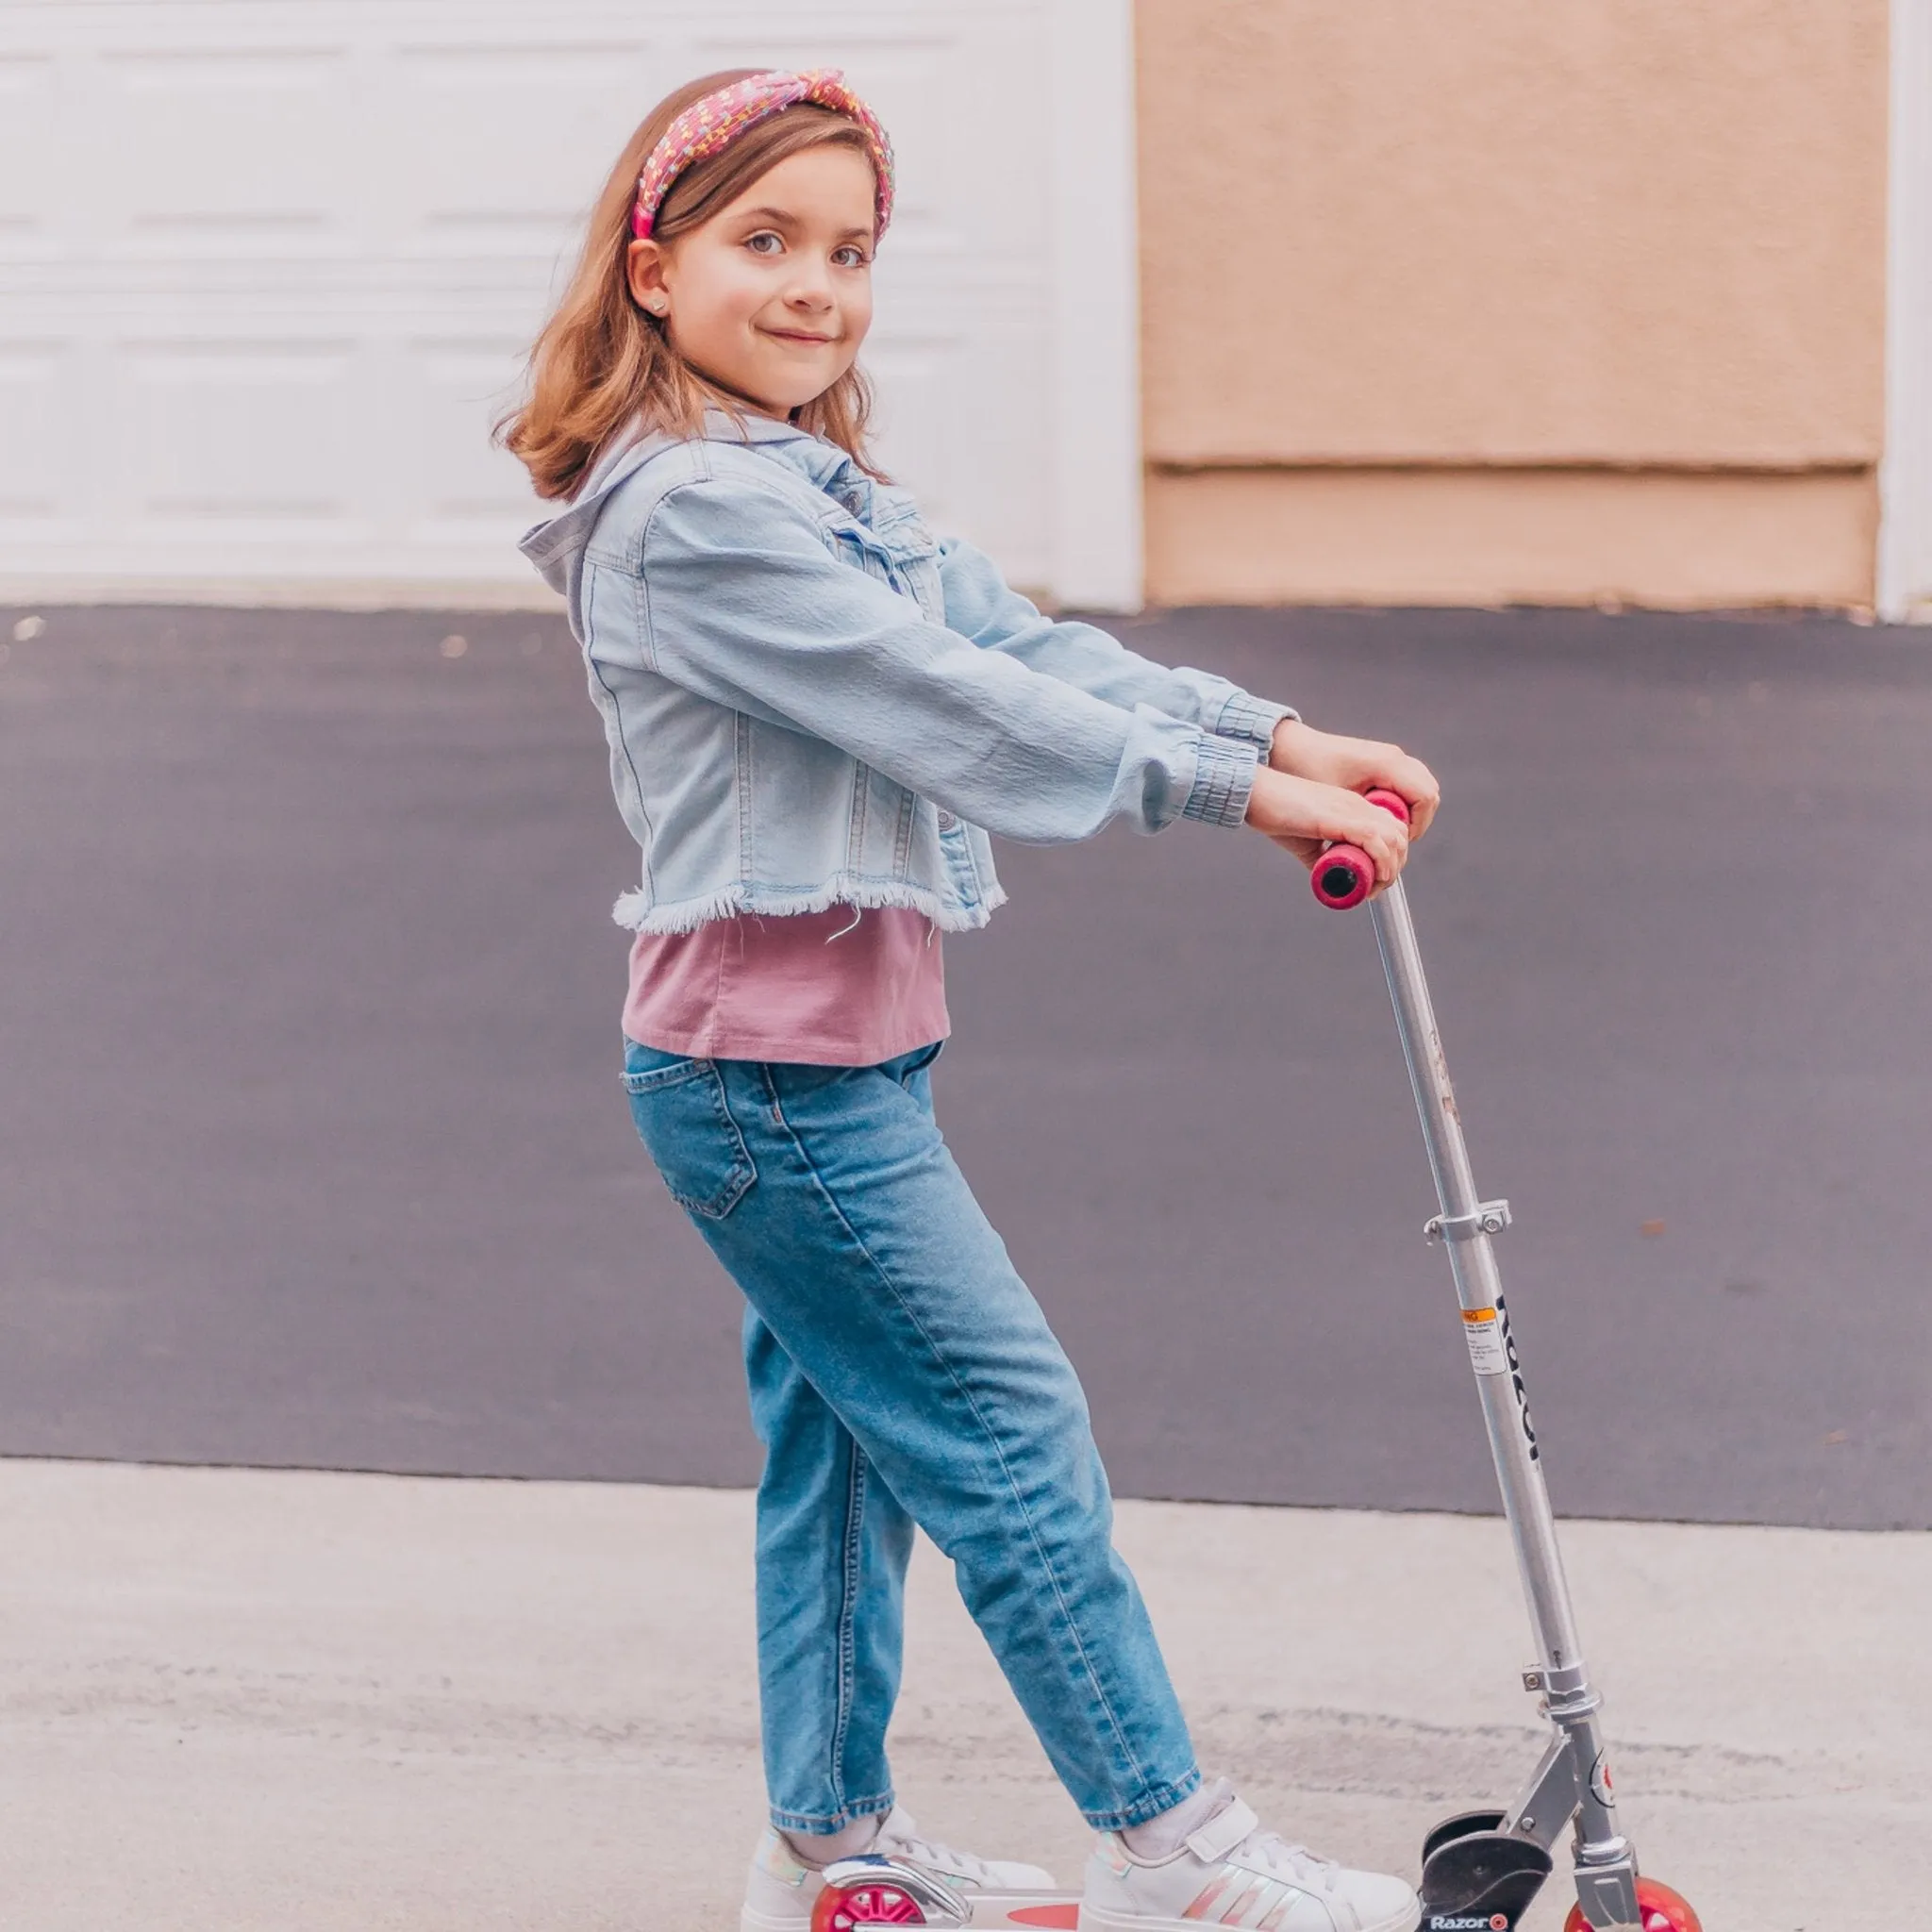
[
  {"x": 1356, "y": 764},
  {"x": 1306, "y": 815}
]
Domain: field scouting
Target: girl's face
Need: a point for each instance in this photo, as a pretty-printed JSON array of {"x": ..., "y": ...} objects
[{"x": 770, "y": 298}]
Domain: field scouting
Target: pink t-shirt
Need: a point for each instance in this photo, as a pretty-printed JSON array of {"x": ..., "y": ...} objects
[{"x": 837, "y": 989}]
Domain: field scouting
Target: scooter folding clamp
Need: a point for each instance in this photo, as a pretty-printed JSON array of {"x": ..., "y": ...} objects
[
  {"x": 1491, "y": 1217},
  {"x": 1562, "y": 1683}
]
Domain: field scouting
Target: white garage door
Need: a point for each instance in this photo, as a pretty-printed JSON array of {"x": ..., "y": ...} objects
[{"x": 267, "y": 267}]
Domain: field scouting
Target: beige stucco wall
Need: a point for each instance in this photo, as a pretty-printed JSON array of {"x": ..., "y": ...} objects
[{"x": 1475, "y": 301}]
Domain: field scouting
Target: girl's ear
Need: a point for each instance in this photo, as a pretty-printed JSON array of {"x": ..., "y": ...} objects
[{"x": 644, "y": 269}]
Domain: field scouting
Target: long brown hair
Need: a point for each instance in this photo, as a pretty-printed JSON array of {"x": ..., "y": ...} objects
[{"x": 602, "y": 362}]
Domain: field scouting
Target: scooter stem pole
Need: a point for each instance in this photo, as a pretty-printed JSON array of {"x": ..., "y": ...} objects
[
  {"x": 1573, "y": 1779},
  {"x": 1479, "y": 1286}
]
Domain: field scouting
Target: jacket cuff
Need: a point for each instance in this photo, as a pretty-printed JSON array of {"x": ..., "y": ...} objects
[
  {"x": 1246, "y": 716},
  {"x": 1224, "y": 772}
]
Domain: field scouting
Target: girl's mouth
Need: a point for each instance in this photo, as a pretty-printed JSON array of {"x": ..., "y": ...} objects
[{"x": 797, "y": 335}]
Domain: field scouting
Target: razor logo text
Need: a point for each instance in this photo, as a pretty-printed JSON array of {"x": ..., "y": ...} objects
[{"x": 1516, "y": 1381}]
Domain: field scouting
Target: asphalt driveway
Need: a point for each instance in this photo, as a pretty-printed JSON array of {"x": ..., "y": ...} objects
[{"x": 313, "y": 1150}]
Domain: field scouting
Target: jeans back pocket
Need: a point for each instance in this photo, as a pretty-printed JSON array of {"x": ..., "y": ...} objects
[{"x": 685, "y": 1123}]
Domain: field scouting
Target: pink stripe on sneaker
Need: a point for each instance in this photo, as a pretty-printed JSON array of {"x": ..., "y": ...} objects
[{"x": 1211, "y": 1897}]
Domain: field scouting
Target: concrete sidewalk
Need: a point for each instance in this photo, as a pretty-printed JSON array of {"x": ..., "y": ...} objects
[{"x": 240, "y": 1699}]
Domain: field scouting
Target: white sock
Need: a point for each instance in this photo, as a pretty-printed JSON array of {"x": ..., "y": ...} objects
[
  {"x": 1160, "y": 1837},
  {"x": 817, "y": 1850}
]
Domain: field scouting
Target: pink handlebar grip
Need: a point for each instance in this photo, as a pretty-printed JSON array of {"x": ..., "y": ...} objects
[{"x": 1345, "y": 875}]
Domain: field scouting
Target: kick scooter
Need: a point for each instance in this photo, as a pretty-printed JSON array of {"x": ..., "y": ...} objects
[{"x": 1480, "y": 1869}]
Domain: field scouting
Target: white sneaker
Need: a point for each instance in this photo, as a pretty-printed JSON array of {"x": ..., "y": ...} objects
[
  {"x": 1231, "y": 1872},
  {"x": 781, "y": 1890}
]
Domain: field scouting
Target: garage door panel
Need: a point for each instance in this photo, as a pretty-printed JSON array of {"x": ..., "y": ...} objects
[
  {"x": 27, "y": 72},
  {"x": 30, "y": 138},
  {"x": 931, "y": 437},
  {"x": 508, "y": 145},
  {"x": 912, "y": 437},
  {"x": 239, "y": 431},
  {"x": 200, "y": 138},
  {"x": 466, "y": 488},
  {"x": 36, "y": 480},
  {"x": 978, "y": 143}
]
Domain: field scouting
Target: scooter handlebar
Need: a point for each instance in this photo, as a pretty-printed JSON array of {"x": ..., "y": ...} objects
[{"x": 1345, "y": 875}]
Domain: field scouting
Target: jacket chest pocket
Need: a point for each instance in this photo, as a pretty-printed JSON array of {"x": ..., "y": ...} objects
[{"x": 898, "y": 549}]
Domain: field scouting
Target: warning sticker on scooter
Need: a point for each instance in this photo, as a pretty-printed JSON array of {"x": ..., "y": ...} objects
[{"x": 1488, "y": 1355}]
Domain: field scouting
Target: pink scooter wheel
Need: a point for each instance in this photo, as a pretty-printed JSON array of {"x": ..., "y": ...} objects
[
  {"x": 1663, "y": 1910},
  {"x": 872, "y": 1901},
  {"x": 1345, "y": 875}
]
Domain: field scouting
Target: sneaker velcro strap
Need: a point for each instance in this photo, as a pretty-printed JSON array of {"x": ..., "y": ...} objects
[{"x": 1222, "y": 1832}]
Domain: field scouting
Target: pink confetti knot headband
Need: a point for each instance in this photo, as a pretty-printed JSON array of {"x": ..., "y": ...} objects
[{"x": 710, "y": 125}]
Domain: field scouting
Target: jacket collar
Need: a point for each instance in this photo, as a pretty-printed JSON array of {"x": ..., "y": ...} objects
[
  {"x": 721, "y": 426},
  {"x": 822, "y": 464},
  {"x": 550, "y": 544}
]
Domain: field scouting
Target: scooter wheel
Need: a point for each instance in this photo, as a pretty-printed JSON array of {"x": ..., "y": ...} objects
[
  {"x": 873, "y": 1902},
  {"x": 1663, "y": 1911}
]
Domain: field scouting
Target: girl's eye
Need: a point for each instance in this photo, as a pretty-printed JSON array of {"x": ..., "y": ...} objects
[
  {"x": 764, "y": 242},
  {"x": 851, "y": 255}
]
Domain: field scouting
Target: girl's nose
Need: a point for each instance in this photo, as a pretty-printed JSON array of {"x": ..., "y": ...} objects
[{"x": 813, "y": 288}]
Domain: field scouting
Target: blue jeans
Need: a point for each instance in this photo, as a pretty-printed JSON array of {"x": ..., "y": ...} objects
[{"x": 902, "y": 1372}]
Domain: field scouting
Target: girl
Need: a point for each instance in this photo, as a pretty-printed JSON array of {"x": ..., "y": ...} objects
[{"x": 816, "y": 713}]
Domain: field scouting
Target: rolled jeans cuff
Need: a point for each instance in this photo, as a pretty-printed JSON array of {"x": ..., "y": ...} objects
[
  {"x": 1246, "y": 716},
  {"x": 1224, "y": 772}
]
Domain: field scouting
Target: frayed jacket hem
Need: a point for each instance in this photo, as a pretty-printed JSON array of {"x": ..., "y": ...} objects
[{"x": 635, "y": 911}]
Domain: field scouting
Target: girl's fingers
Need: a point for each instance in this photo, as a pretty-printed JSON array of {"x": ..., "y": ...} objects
[
  {"x": 1421, "y": 813},
  {"x": 1362, "y": 764},
  {"x": 1432, "y": 796},
  {"x": 1398, "y": 852},
  {"x": 1387, "y": 848},
  {"x": 1418, "y": 787},
  {"x": 1410, "y": 780},
  {"x": 1305, "y": 814}
]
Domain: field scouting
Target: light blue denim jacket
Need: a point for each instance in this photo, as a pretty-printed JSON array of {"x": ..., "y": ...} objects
[{"x": 809, "y": 702}]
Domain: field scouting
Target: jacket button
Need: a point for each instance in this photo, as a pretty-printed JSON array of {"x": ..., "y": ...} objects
[{"x": 947, "y": 822}]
